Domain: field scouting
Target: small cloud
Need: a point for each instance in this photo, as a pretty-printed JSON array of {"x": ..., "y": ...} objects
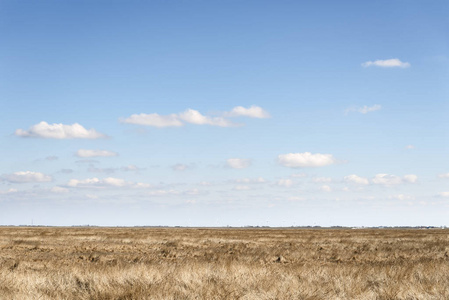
[
  {"x": 326, "y": 188},
  {"x": 402, "y": 197},
  {"x": 364, "y": 109},
  {"x": 205, "y": 183},
  {"x": 162, "y": 193},
  {"x": 250, "y": 180},
  {"x": 285, "y": 182},
  {"x": 95, "y": 153},
  {"x": 238, "y": 163},
  {"x": 251, "y": 112},
  {"x": 391, "y": 180},
  {"x": 87, "y": 161},
  {"x": 195, "y": 117},
  {"x": 190, "y": 116},
  {"x": 296, "y": 199},
  {"x": 59, "y": 131},
  {"x": 105, "y": 183},
  {"x": 192, "y": 192},
  {"x": 259, "y": 180},
  {"x": 93, "y": 169},
  {"x": 411, "y": 178},
  {"x": 130, "y": 168},
  {"x": 51, "y": 158},
  {"x": 298, "y": 175},
  {"x": 59, "y": 190},
  {"x": 66, "y": 171},
  {"x": 322, "y": 179},
  {"x": 356, "y": 179},
  {"x": 26, "y": 177},
  {"x": 386, "y": 179},
  {"x": 444, "y": 194},
  {"x": 444, "y": 175},
  {"x": 306, "y": 159},
  {"x": 154, "y": 120},
  {"x": 140, "y": 185},
  {"x": 387, "y": 63},
  {"x": 180, "y": 167},
  {"x": 409, "y": 147},
  {"x": 10, "y": 191}
]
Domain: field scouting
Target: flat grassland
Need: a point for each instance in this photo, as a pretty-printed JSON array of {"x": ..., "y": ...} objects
[{"x": 200, "y": 263}]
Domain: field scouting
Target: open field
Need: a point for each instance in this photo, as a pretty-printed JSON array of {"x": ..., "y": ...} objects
[{"x": 180, "y": 263}]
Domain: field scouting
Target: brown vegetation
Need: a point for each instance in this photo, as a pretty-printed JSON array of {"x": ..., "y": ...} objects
[{"x": 181, "y": 263}]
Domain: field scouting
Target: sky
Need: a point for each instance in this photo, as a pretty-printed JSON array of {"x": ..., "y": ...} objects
[{"x": 224, "y": 113}]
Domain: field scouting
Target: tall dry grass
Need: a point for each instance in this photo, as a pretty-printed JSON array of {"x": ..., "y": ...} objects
[{"x": 180, "y": 263}]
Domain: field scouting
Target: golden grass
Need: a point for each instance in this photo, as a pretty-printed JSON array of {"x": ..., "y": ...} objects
[{"x": 199, "y": 263}]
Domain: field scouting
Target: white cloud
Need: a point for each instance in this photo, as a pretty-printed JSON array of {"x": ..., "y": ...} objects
[
  {"x": 356, "y": 179},
  {"x": 192, "y": 192},
  {"x": 130, "y": 168},
  {"x": 322, "y": 179},
  {"x": 95, "y": 153},
  {"x": 171, "y": 192},
  {"x": 141, "y": 185},
  {"x": 259, "y": 180},
  {"x": 242, "y": 188},
  {"x": 387, "y": 180},
  {"x": 176, "y": 120},
  {"x": 155, "y": 120},
  {"x": 195, "y": 117},
  {"x": 59, "y": 131},
  {"x": 402, "y": 197},
  {"x": 238, "y": 163},
  {"x": 364, "y": 109},
  {"x": 444, "y": 175},
  {"x": 390, "y": 180},
  {"x": 285, "y": 182},
  {"x": 104, "y": 183},
  {"x": 205, "y": 183},
  {"x": 251, "y": 112},
  {"x": 296, "y": 198},
  {"x": 444, "y": 194},
  {"x": 250, "y": 180},
  {"x": 409, "y": 147},
  {"x": 180, "y": 167},
  {"x": 192, "y": 116},
  {"x": 25, "y": 177},
  {"x": 298, "y": 175},
  {"x": 93, "y": 169},
  {"x": 9, "y": 191},
  {"x": 387, "y": 63},
  {"x": 326, "y": 188},
  {"x": 161, "y": 193},
  {"x": 58, "y": 190},
  {"x": 306, "y": 159},
  {"x": 411, "y": 178}
]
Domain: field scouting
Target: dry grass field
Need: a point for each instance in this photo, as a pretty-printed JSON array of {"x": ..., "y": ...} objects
[{"x": 198, "y": 263}]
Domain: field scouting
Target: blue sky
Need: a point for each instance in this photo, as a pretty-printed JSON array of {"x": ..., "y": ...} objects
[{"x": 215, "y": 113}]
